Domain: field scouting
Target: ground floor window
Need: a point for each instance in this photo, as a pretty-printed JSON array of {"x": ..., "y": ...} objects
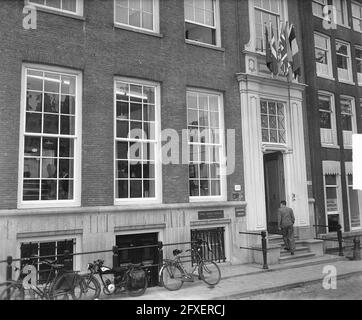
[
  {"x": 38, "y": 251},
  {"x": 216, "y": 239},
  {"x": 148, "y": 255},
  {"x": 354, "y": 204},
  {"x": 332, "y": 201}
]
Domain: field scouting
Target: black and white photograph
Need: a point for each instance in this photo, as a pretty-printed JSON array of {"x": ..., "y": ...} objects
[{"x": 175, "y": 156}]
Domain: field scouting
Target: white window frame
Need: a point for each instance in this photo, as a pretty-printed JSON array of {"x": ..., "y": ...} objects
[
  {"x": 268, "y": 143},
  {"x": 77, "y": 261},
  {"x": 341, "y": 77},
  {"x": 79, "y": 6},
  {"x": 216, "y": 27},
  {"x": 283, "y": 16},
  {"x": 344, "y": 13},
  {"x": 359, "y": 74},
  {"x": 339, "y": 199},
  {"x": 158, "y": 154},
  {"x": 320, "y": 3},
  {"x": 156, "y": 19},
  {"x": 349, "y": 205},
  {"x": 223, "y": 195},
  {"x": 329, "y": 74},
  {"x": 329, "y": 136},
  {"x": 76, "y": 201},
  {"x": 347, "y": 135},
  {"x": 355, "y": 16}
]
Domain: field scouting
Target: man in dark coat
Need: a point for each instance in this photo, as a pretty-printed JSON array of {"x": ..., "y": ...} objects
[{"x": 286, "y": 221}]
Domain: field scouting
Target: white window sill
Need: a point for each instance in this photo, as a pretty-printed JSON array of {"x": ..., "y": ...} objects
[
  {"x": 207, "y": 199},
  {"x": 48, "y": 204},
  {"x": 344, "y": 26},
  {"x": 330, "y": 146},
  {"x": 347, "y": 147},
  {"x": 59, "y": 12},
  {"x": 326, "y": 77},
  {"x": 138, "y": 30},
  {"x": 347, "y": 82},
  {"x": 204, "y": 45},
  {"x": 137, "y": 201}
]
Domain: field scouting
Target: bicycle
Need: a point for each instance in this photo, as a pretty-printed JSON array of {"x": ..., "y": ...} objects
[
  {"x": 60, "y": 284},
  {"x": 173, "y": 274},
  {"x": 132, "y": 279}
]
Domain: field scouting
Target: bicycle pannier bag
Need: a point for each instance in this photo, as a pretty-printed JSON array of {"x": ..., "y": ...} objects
[{"x": 136, "y": 279}]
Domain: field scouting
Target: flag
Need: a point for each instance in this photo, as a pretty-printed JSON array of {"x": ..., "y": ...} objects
[
  {"x": 296, "y": 56},
  {"x": 283, "y": 51},
  {"x": 271, "y": 52}
]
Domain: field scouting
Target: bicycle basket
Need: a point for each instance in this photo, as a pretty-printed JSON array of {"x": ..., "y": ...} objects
[{"x": 136, "y": 279}]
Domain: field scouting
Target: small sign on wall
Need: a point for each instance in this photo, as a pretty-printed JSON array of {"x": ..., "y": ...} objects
[
  {"x": 207, "y": 215},
  {"x": 240, "y": 212}
]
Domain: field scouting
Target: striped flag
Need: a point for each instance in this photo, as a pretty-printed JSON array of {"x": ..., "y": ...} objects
[
  {"x": 283, "y": 51},
  {"x": 271, "y": 52},
  {"x": 294, "y": 51}
]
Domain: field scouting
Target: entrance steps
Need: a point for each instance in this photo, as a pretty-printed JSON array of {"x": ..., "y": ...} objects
[{"x": 304, "y": 250}]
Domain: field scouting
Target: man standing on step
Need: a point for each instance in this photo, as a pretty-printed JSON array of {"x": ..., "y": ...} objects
[{"x": 285, "y": 224}]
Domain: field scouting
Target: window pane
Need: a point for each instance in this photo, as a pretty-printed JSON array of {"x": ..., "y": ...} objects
[
  {"x": 325, "y": 120},
  {"x": 68, "y": 85},
  {"x": 121, "y": 15},
  {"x": 331, "y": 180},
  {"x": 122, "y": 189},
  {"x": 200, "y": 33},
  {"x": 31, "y": 190},
  {"x": 69, "y": 5},
  {"x": 134, "y": 18},
  {"x": 67, "y": 105},
  {"x": 34, "y": 79},
  {"x": 48, "y": 190},
  {"x": 51, "y": 124},
  {"x": 33, "y": 122},
  {"x": 53, "y": 3},
  {"x": 51, "y": 103},
  {"x": 31, "y": 168},
  {"x": 136, "y": 188}
]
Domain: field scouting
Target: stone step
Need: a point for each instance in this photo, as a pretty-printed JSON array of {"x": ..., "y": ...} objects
[
  {"x": 300, "y": 256},
  {"x": 298, "y": 250}
]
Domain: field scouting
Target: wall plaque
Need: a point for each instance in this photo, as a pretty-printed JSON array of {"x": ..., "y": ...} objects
[
  {"x": 240, "y": 212},
  {"x": 206, "y": 215}
]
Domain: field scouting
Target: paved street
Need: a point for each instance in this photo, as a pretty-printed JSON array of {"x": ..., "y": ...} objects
[{"x": 347, "y": 289}]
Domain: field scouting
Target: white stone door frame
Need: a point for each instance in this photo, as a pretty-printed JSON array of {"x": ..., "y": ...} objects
[{"x": 252, "y": 89}]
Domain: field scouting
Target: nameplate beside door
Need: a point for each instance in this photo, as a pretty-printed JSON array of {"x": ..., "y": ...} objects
[{"x": 207, "y": 215}]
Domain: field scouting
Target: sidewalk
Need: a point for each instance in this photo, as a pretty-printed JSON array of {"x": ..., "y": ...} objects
[{"x": 247, "y": 280}]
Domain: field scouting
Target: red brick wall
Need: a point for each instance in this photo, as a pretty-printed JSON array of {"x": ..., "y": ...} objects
[{"x": 102, "y": 51}]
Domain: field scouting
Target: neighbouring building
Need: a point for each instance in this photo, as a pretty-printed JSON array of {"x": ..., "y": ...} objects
[
  {"x": 333, "y": 70},
  {"x": 71, "y": 177}
]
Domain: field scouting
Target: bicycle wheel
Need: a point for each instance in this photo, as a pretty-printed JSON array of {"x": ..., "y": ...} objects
[
  {"x": 171, "y": 277},
  {"x": 142, "y": 284},
  {"x": 76, "y": 291},
  {"x": 13, "y": 291},
  {"x": 91, "y": 287},
  {"x": 209, "y": 272},
  {"x": 66, "y": 286}
]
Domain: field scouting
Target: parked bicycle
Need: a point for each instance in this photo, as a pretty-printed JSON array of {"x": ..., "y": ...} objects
[
  {"x": 132, "y": 279},
  {"x": 60, "y": 284},
  {"x": 173, "y": 273}
]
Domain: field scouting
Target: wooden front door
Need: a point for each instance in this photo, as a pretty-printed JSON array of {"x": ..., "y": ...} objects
[{"x": 274, "y": 188}]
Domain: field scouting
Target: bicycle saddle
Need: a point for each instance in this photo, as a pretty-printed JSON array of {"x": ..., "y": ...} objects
[{"x": 176, "y": 252}]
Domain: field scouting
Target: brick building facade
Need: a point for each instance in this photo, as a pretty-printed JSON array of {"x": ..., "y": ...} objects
[{"x": 63, "y": 85}]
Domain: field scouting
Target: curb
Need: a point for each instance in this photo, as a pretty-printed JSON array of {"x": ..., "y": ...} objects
[{"x": 282, "y": 287}]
